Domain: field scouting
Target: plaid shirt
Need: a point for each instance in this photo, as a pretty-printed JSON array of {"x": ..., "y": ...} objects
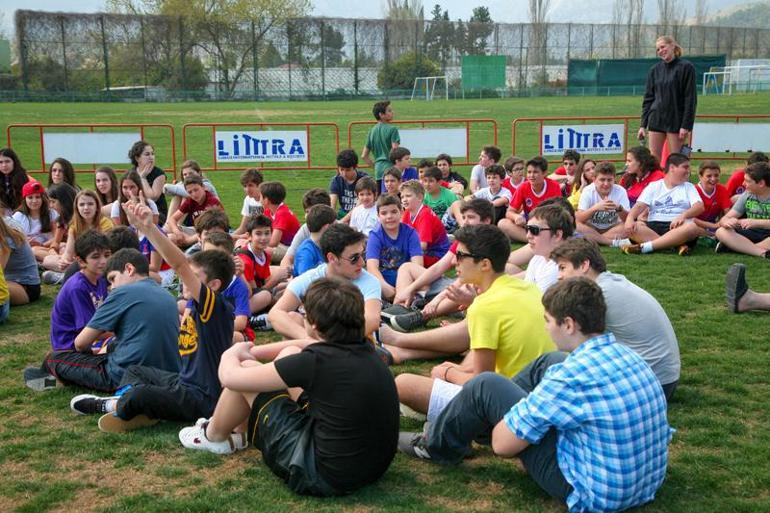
[{"x": 610, "y": 415}]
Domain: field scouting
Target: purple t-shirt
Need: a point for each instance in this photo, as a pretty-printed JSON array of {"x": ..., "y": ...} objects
[
  {"x": 75, "y": 304},
  {"x": 409, "y": 173},
  {"x": 392, "y": 253}
]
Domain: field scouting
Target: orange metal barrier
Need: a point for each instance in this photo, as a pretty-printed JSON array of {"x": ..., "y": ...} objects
[
  {"x": 42, "y": 128},
  {"x": 424, "y": 123},
  {"x": 214, "y": 126}
]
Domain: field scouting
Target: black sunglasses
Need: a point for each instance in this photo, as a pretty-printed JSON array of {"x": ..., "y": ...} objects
[
  {"x": 462, "y": 254},
  {"x": 354, "y": 258},
  {"x": 535, "y": 230}
]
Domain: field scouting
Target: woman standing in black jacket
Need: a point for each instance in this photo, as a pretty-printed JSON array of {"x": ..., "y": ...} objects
[{"x": 668, "y": 108}]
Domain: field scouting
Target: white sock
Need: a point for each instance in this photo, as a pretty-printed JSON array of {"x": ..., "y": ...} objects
[
  {"x": 616, "y": 243},
  {"x": 647, "y": 247},
  {"x": 111, "y": 405}
]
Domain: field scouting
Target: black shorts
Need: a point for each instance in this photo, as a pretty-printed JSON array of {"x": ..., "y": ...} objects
[
  {"x": 283, "y": 432},
  {"x": 662, "y": 228},
  {"x": 755, "y": 235},
  {"x": 33, "y": 291}
]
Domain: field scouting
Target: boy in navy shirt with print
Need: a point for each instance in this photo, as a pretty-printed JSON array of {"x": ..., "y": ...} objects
[{"x": 147, "y": 394}]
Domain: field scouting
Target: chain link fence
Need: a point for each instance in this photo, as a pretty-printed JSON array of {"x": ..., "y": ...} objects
[{"x": 159, "y": 58}]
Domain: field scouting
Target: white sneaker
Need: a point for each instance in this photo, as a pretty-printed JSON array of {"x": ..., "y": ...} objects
[
  {"x": 194, "y": 437},
  {"x": 239, "y": 439}
]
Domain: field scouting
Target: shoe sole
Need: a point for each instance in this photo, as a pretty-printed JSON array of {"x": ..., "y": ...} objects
[
  {"x": 109, "y": 423},
  {"x": 406, "y": 328},
  {"x": 41, "y": 384},
  {"x": 409, "y": 413},
  {"x": 736, "y": 274}
]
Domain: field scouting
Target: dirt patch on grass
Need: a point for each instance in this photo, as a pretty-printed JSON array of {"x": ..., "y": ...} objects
[{"x": 480, "y": 504}]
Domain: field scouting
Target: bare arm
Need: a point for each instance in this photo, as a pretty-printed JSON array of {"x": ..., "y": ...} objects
[
  {"x": 86, "y": 337},
  {"x": 155, "y": 190},
  {"x": 505, "y": 443},
  {"x": 253, "y": 378},
  {"x": 427, "y": 277},
  {"x": 281, "y": 320},
  {"x": 372, "y": 310},
  {"x": 366, "y": 158}
]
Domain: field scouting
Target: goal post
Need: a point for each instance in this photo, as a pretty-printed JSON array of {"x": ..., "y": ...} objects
[
  {"x": 717, "y": 82},
  {"x": 425, "y": 87}
]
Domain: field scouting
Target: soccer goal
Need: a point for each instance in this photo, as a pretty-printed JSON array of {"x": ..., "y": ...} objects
[
  {"x": 717, "y": 82},
  {"x": 425, "y": 88}
]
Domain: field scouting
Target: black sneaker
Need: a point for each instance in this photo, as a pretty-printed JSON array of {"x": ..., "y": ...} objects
[
  {"x": 419, "y": 303},
  {"x": 407, "y": 322},
  {"x": 721, "y": 248},
  {"x": 38, "y": 380},
  {"x": 260, "y": 323},
  {"x": 735, "y": 286},
  {"x": 393, "y": 310},
  {"x": 413, "y": 444},
  {"x": 88, "y": 404}
]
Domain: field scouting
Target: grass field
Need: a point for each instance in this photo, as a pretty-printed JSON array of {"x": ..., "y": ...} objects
[{"x": 52, "y": 460}]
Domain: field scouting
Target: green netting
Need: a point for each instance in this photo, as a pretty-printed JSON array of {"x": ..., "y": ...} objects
[
  {"x": 5, "y": 56},
  {"x": 483, "y": 72},
  {"x": 605, "y": 73}
]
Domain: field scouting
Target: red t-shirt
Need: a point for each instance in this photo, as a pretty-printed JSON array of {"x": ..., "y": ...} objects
[
  {"x": 636, "y": 190},
  {"x": 561, "y": 171},
  {"x": 512, "y": 188},
  {"x": 527, "y": 200},
  {"x": 431, "y": 230},
  {"x": 444, "y": 183},
  {"x": 284, "y": 220},
  {"x": 255, "y": 268},
  {"x": 453, "y": 247},
  {"x": 193, "y": 209},
  {"x": 716, "y": 204},
  {"x": 735, "y": 183}
]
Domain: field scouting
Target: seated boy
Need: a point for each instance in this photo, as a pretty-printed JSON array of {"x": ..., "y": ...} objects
[
  {"x": 603, "y": 208},
  {"x": 565, "y": 174},
  {"x": 528, "y": 196},
  {"x": 198, "y": 202},
  {"x": 746, "y": 227},
  {"x": 391, "y": 182},
  {"x": 342, "y": 187},
  {"x": 261, "y": 277},
  {"x": 250, "y": 181},
  {"x": 82, "y": 294},
  {"x": 494, "y": 192},
  {"x": 312, "y": 197},
  {"x": 438, "y": 198},
  {"x": 343, "y": 249},
  {"x": 602, "y": 402},
  {"x": 342, "y": 434},
  {"x": 502, "y": 338},
  {"x": 364, "y": 216},
  {"x": 146, "y": 394},
  {"x": 455, "y": 181},
  {"x": 433, "y": 237},
  {"x": 143, "y": 318},
  {"x": 309, "y": 255},
  {"x": 547, "y": 228},
  {"x": 212, "y": 220},
  {"x": 671, "y": 205},
  {"x": 390, "y": 246},
  {"x": 735, "y": 186},
  {"x": 716, "y": 200},
  {"x": 401, "y": 158},
  {"x": 285, "y": 223},
  {"x": 489, "y": 155},
  {"x": 514, "y": 168}
]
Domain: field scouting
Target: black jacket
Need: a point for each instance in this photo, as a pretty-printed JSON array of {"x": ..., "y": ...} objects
[{"x": 669, "y": 99}]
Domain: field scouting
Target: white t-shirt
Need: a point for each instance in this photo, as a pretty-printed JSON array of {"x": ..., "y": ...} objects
[
  {"x": 604, "y": 219},
  {"x": 364, "y": 219},
  {"x": 251, "y": 207},
  {"x": 486, "y": 194},
  {"x": 115, "y": 211},
  {"x": 32, "y": 227},
  {"x": 668, "y": 204},
  {"x": 542, "y": 271},
  {"x": 366, "y": 283},
  {"x": 477, "y": 174}
]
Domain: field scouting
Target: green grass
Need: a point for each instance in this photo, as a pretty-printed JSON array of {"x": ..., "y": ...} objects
[{"x": 720, "y": 455}]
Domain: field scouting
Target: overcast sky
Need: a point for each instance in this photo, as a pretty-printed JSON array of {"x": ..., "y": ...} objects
[{"x": 510, "y": 11}]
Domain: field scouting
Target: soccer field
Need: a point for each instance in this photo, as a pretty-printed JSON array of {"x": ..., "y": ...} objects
[{"x": 719, "y": 456}]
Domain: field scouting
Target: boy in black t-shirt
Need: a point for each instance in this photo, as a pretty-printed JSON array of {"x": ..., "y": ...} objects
[
  {"x": 147, "y": 394},
  {"x": 325, "y": 418}
]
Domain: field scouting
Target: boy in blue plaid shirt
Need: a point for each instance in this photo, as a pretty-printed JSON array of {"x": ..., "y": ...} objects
[{"x": 590, "y": 427}]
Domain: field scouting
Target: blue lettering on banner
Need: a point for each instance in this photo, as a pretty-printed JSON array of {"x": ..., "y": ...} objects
[
  {"x": 587, "y": 138},
  {"x": 246, "y": 146}
]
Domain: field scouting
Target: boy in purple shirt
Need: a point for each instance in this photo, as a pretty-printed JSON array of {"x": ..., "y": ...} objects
[
  {"x": 391, "y": 245},
  {"x": 83, "y": 293}
]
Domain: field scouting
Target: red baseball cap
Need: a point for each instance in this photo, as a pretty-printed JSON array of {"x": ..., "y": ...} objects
[{"x": 32, "y": 187}]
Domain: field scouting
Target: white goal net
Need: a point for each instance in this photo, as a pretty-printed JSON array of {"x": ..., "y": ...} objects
[{"x": 425, "y": 88}]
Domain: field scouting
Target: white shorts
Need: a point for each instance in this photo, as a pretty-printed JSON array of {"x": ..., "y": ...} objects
[{"x": 440, "y": 395}]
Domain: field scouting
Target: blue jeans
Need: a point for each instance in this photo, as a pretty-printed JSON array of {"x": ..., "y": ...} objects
[
  {"x": 5, "y": 310},
  {"x": 476, "y": 410}
]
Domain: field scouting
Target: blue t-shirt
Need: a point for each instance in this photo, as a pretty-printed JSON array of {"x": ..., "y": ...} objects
[
  {"x": 238, "y": 294},
  {"x": 204, "y": 335},
  {"x": 366, "y": 283},
  {"x": 308, "y": 257},
  {"x": 393, "y": 253},
  {"x": 409, "y": 173},
  {"x": 145, "y": 321},
  {"x": 346, "y": 192},
  {"x": 75, "y": 304},
  {"x": 21, "y": 266}
]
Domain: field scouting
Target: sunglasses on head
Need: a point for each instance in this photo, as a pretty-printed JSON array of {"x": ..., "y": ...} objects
[{"x": 535, "y": 230}]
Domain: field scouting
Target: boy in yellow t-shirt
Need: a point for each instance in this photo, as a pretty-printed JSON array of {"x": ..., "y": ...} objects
[{"x": 503, "y": 338}]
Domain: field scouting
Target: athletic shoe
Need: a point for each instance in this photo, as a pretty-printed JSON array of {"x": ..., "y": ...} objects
[
  {"x": 418, "y": 303},
  {"x": 683, "y": 250},
  {"x": 38, "y": 380},
  {"x": 111, "y": 423},
  {"x": 631, "y": 249},
  {"x": 239, "y": 439},
  {"x": 52, "y": 277},
  {"x": 88, "y": 404},
  {"x": 407, "y": 322},
  {"x": 194, "y": 437},
  {"x": 721, "y": 248},
  {"x": 735, "y": 285},
  {"x": 393, "y": 310},
  {"x": 413, "y": 444},
  {"x": 260, "y": 323},
  {"x": 409, "y": 413}
]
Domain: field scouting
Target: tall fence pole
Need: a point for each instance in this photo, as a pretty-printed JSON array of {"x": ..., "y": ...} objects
[
  {"x": 355, "y": 56},
  {"x": 144, "y": 50},
  {"x": 254, "y": 61},
  {"x": 64, "y": 53},
  {"x": 182, "y": 66},
  {"x": 106, "y": 56},
  {"x": 323, "y": 61}
]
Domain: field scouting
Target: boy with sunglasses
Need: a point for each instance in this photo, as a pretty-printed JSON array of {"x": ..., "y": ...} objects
[
  {"x": 343, "y": 249},
  {"x": 548, "y": 226},
  {"x": 502, "y": 339}
]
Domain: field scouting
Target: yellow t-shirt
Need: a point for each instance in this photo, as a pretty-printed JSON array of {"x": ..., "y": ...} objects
[
  {"x": 105, "y": 225},
  {"x": 508, "y": 318},
  {"x": 3, "y": 288},
  {"x": 574, "y": 198}
]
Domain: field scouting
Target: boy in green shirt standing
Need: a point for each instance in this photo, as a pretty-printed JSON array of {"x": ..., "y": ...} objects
[{"x": 382, "y": 138}]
